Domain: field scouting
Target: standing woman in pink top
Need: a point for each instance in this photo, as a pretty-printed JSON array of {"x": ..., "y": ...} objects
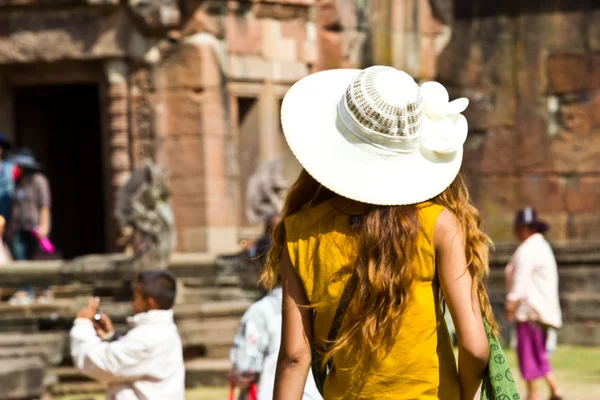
[{"x": 532, "y": 300}]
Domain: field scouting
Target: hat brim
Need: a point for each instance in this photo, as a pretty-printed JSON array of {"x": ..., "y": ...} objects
[
  {"x": 541, "y": 226},
  {"x": 347, "y": 165}
]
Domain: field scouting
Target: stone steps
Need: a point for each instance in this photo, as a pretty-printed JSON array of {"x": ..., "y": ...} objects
[{"x": 207, "y": 372}]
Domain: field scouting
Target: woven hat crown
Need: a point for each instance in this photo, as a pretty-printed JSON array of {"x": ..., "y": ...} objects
[{"x": 386, "y": 101}]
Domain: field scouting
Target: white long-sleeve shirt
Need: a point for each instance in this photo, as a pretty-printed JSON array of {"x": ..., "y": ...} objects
[
  {"x": 532, "y": 281},
  {"x": 145, "y": 364}
]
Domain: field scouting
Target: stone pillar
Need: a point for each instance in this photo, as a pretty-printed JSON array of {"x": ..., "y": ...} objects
[
  {"x": 270, "y": 133},
  {"x": 117, "y": 146},
  {"x": 192, "y": 107}
]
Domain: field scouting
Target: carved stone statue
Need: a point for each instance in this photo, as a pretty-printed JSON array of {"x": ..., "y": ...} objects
[
  {"x": 266, "y": 191},
  {"x": 146, "y": 217}
]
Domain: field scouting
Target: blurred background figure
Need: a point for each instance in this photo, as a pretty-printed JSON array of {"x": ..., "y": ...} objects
[
  {"x": 256, "y": 348},
  {"x": 7, "y": 180},
  {"x": 30, "y": 220},
  {"x": 532, "y": 300}
]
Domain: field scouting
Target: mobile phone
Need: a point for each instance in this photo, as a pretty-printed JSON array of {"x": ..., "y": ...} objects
[{"x": 98, "y": 316}]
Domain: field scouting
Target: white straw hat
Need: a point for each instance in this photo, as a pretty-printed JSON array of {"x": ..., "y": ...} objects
[{"x": 374, "y": 135}]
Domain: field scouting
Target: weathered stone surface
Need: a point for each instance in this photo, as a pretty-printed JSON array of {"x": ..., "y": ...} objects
[
  {"x": 545, "y": 193},
  {"x": 498, "y": 194},
  {"x": 336, "y": 14},
  {"x": 205, "y": 20},
  {"x": 178, "y": 113},
  {"x": 60, "y": 35},
  {"x": 329, "y": 44},
  {"x": 186, "y": 155},
  {"x": 21, "y": 378},
  {"x": 568, "y": 73},
  {"x": 244, "y": 34},
  {"x": 498, "y": 152},
  {"x": 156, "y": 17},
  {"x": 192, "y": 65},
  {"x": 583, "y": 194},
  {"x": 584, "y": 226},
  {"x": 570, "y": 152}
]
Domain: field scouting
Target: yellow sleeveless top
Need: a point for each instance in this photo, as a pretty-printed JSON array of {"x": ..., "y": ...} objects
[{"x": 421, "y": 364}]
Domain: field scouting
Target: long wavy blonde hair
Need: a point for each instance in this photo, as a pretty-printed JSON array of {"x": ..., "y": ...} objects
[{"x": 386, "y": 239}]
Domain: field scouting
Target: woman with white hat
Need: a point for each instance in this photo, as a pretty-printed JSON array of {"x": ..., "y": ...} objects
[{"x": 377, "y": 231}]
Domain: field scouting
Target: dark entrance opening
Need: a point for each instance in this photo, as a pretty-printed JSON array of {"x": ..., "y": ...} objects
[{"x": 61, "y": 124}]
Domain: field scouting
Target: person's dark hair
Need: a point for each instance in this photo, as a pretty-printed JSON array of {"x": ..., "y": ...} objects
[{"x": 161, "y": 285}]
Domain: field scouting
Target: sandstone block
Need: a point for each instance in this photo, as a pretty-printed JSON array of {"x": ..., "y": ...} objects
[
  {"x": 117, "y": 90},
  {"x": 295, "y": 30},
  {"x": 473, "y": 153},
  {"x": 192, "y": 65},
  {"x": 545, "y": 193},
  {"x": 193, "y": 240},
  {"x": 178, "y": 112},
  {"x": 204, "y": 21},
  {"x": 329, "y": 45},
  {"x": 188, "y": 217},
  {"x": 584, "y": 226},
  {"x": 533, "y": 152},
  {"x": 82, "y": 34},
  {"x": 185, "y": 154},
  {"x": 248, "y": 68},
  {"x": 595, "y": 110},
  {"x": 583, "y": 194},
  {"x": 573, "y": 153},
  {"x": 499, "y": 151},
  {"x": 481, "y": 109},
  {"x": 428, "y": 23},
  {"x": 214, "y": 156},
  {"x": 498, "y": 226},
  {"x": 576, "y": 117},
  {"x": 498, "y": 194},
  {"x": 337, "y": 14},
  {"x": 595, "y": 71},
  {"x": 558, "y": 222},
  {"x": 568, "y": 73},
  {"x": 119, "y": 160},
  {"x": 22, "y": 378},
  {"x": 189, "y": 189},
  {"x": 215, "y": 119},
  {"x": 244, "y": 34}
]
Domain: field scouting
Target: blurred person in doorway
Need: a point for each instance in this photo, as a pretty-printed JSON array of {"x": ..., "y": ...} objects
[
  {"x": 7, "y": 188},
  {"x": 7, "y": 182},
  {"x": 533, "y": 300},
  {"x": 147, "y": 362},
  {"x": 30, "y": 221}
]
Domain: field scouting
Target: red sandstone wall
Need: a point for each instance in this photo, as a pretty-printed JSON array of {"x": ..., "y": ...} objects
[{"x": 533, "y": 77}]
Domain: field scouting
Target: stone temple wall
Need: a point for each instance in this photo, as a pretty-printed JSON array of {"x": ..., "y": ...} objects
[
  {"x": 197, "y": 85},
  {"x": 532, "y": 72}
]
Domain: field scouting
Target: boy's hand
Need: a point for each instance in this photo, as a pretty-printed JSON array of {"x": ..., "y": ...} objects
[
  {"x": 104, "y": 328},
  {"x": 89, "y": 311}
]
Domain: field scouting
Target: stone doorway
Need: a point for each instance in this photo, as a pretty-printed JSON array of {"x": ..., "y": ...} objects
[{"x": 62, "y": 125}]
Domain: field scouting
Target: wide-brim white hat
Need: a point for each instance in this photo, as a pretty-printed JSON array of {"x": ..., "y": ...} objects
[{"x": 374, "y": 135}]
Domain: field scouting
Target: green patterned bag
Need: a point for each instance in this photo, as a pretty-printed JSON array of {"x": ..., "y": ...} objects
[{"x": 498, "y": 382}]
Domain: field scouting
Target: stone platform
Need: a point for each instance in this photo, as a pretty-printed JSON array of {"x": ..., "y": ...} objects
[
  {"x": 34, "y": 351},
  {"x": 212, "y": 298}
]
